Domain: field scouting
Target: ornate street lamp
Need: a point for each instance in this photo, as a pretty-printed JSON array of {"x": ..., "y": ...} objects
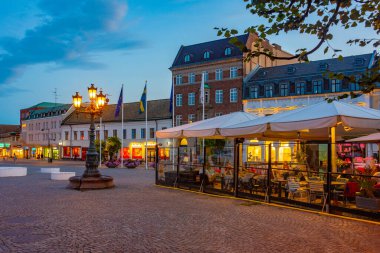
[{"x": 91, "y": 178}]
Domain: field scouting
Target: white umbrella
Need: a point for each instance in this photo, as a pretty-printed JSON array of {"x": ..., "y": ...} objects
[
  {"x": 369, "y": 138},
  {"x": 309, "y": 118},
  {"x": 206, "y": 128}
]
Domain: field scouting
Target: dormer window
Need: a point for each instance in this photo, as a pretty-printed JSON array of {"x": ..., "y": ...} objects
[
  {"x": 263, "y": 73},
  {"x": 291, "y": 70},
  {"x": 227, "y": 51},
  {"x": 206, "y": 55},
  {"x": 323, "y": 66},
  {"x": 187, "y": 58},
  {"x": 358, "y": 61}
]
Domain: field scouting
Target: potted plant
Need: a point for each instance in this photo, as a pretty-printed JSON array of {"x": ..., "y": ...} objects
[
  {"x": 367, "y": 198},
  {"x": 130, "y": 164},
  {"x": 112, "y": 164}
]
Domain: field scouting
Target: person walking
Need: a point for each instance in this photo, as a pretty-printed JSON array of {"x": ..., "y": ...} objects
[{"x": 14, "y": 157}]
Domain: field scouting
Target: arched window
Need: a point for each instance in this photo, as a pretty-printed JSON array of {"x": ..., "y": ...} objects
[
  {"x": 206, "y": 55},
  {"x": 187, "y": 58},
  {"x": 227, "y": 51}
]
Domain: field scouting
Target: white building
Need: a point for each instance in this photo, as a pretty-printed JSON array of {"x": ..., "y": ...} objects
[
  {"x": 75, "y": 130},
  {"x": 41, "y": 129}
]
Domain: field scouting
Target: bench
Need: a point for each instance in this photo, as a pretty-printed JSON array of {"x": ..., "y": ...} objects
[
  {"x": 61, "y": 175},
  {"x": 49, "y": 170},
  {"x": 13, "y": 171}
]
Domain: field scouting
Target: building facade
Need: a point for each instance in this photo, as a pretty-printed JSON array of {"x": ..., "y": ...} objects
[
  {"x": 276, "y": 89},
  {"x": 10, "y": 143},
  {"x": 224, "y": 69},
  {"x": 41, "y": 129},
  {"x": 75, "y": 130}
]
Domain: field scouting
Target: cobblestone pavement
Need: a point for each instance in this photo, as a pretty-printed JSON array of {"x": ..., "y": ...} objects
[{"x": 40, "y": 215}]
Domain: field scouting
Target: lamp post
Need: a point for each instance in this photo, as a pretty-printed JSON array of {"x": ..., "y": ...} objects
[
  {"x": 91, "y": 178},
  {"x": 50, "y": 156}
]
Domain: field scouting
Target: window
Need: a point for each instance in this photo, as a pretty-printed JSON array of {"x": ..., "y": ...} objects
[
  {"x": 268, "y": 91},
  {"x": 191, "y": 98},
  {"x": 233, "y": 95},
  {"x": 97, "y": 136},
  {"x": 124, "y": 134},
  {"x": 142, "y": 133},
  {"x": 66, "y": 135},
  {"x": 178, "y": 99},
  {"x": 356, "y": 86},
  {"x": 114, "y": 133},
  {"x": 219, "y": 96},
  {"x": 317, "y": 86},
  {"x": 219, "y": 74},
  {"x": 291, "y": 70},
  {"x": 205, "y": 74},
  {"x": 300, "y": 88},
  {"x": 133, "y": 133},
  {"x": 218, "y": 114},
  {"x": 187, "y": 58},
  {"x": 178, "y": 120},
  {"x": 335, "y": 85},
  {"x": 233, "y": 72},
  {"x": 75, "y": 135},
  {"x": 178, "y": 79},
  {"x": 227, "y": 51},
  {"x": 283, "y": 89},
  {"x": 206, "y": 55},
  {"x": 151, "y": 132},
  {"x": 323, "y": 66},
  {"x": 207, "y": 97},
  {"x": 191, "y": 78},
  {"x": 191, "y": 118},
  {"x": 254, "y": 90},
  {"x": 81, "y": 135},
  {"x": 105, "y": 134}
]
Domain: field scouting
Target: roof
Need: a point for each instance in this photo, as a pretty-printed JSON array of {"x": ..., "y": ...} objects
[
  {"x": 7, "y": 129},
  {"x": 157, "y": 109},
  {"x": 44, "y": 105},
  {"x": 50, "y": 111},
  {"x": 312, "y": 68},
  {"x": 216, "y": 49}
]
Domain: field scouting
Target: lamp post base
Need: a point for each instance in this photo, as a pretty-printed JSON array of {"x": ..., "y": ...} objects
[{"x": 91, "y": 183}]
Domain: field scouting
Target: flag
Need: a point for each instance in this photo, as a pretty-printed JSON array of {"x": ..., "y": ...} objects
[
  {"x": 171, "y": 100},
  {"x": 143, "y": 101},
  {"x": 119, "y": 103},
  {"x": 203, "y": 89}
]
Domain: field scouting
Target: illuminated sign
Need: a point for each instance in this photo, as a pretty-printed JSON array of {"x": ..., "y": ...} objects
[
  {"x": 7, "y": 145},
  {"x": 1, "y": 145}
]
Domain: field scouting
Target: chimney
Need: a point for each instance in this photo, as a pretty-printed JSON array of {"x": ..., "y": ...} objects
[{"x": 276, "y": 46}]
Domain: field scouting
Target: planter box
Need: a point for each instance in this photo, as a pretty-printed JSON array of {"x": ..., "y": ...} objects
[{"x": 368, "y": 203}]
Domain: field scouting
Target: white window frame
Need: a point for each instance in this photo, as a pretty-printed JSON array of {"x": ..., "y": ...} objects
[
  {"x": 284, "y": 89},
  {"x": 205, "y": 73},
  {"x": 191, "y": 78},
  {"x": 178, "y": 79},
  {"x": 206, "y": 55},
  {"x": 219, "y": 96},
  {"x": 227, "y": 51},
  {"x": 191, "y": 98},
  {"x": 219, "y": 74},
  {"x": 268, "y": 91},
  {"x": 233, "y": 95},
  {"x": 178, "y": 99},
  {"x": 300, "y": 88},
  {"x": 336, "y": 83},
  {"x": 233, "y": 72},
  {"x": 178, "y": 120},
  {"x": 191, "y": 118},
  {"x": 187, "y": 58}
]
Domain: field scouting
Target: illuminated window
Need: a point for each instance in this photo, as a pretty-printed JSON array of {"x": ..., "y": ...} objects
[
  {"x": 253, "y": 153},
  {"x": 284, "y": 154}
]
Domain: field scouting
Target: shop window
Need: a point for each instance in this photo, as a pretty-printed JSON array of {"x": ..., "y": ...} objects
[
  {"x": 284, "y": 154},
  {"x": 254, "y": 153}
]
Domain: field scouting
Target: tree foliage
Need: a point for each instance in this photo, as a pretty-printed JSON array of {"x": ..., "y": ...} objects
[
  {"x": 113, "y": 145},
  {"x": 316, "y": 18}
]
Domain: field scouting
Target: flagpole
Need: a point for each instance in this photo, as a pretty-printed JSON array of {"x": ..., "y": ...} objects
[
  {"x": 146, "y": 126},
  {"x": 173, "y": 121},
  {"x": 100, "y": 142},
  {"x": 203, "y": 105},
  {"x": 122, "y": 127}
]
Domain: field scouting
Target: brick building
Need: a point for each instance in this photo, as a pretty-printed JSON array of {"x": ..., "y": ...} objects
[{"x": 224, "y": 68}]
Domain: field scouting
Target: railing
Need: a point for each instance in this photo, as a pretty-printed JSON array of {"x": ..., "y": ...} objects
[{"x": 295, "y": 174}]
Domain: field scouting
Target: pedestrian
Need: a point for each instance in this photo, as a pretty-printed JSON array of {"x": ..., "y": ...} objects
[{"x": 14, "y": 157}]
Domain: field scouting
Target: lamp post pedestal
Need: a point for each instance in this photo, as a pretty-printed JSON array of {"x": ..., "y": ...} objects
[{"x": 91, "y": 178}]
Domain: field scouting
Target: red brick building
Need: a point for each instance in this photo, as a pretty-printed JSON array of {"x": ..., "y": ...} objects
[{"x": 224, "y": 68}]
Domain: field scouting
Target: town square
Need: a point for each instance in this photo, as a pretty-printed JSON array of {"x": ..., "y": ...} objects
[{"x": 189, "y": 126}]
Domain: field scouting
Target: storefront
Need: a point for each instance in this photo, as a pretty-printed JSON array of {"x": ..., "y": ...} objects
[
  {"x": 18, "y": 151},
  {"x": 5, "y": 149},
  {"x": 126, "y": 153},
  {"x": 66, "y": 152},
  {"x": 137, "y": 150}
]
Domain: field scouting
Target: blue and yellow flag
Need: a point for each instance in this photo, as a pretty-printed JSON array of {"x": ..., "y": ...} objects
[{"x": 142, "y": 106}]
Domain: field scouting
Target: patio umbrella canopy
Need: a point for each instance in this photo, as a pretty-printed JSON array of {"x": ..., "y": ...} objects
[
  {"x": 311, "y": 121},
  {"x": 369, "y": 138},
  {"x": 209, "y": 128}
]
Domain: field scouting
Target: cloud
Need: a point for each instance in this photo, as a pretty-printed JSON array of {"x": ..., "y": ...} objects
[
  {"x": 69, "y": 33},
  {"x": 6, "y": 91}
]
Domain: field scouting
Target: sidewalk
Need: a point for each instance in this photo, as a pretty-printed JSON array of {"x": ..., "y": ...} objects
[{"x": 43, "y": 163}]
